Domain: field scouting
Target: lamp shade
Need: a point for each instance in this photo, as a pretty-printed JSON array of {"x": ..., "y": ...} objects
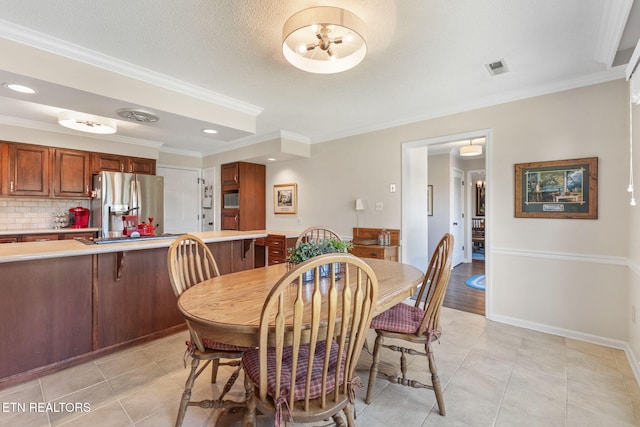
[
  {"x": 87, "y": 122},
  {"x": 470, "y": 150},
  {"x": 324, "y": 40},
  {"x": 359, "y": 205}
]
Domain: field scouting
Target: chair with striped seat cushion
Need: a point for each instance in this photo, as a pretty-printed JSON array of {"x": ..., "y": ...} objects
[
  {"x": 190, "y": 262},
  {"x": 291, "y": 374},
  {"x": 416, "y": 324}
]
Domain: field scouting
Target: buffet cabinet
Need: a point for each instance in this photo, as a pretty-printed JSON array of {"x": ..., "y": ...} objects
[
  {"x": 365, "y": 244},
  {"x": 40, "y": 171}
]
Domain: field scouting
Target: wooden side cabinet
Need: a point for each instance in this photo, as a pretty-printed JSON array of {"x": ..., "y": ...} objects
[
  {"x": 389, "y": 252},
  {"x": 71, "y": 173},
  {"x": 29, "y": 170}
]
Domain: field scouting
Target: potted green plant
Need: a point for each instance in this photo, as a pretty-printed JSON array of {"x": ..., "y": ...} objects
[{"x": 308, "y": 250}]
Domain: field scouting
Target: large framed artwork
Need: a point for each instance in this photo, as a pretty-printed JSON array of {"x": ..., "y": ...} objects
[
  {"x": 557, "y": 189},
  {"x": 285, "y": 198}
]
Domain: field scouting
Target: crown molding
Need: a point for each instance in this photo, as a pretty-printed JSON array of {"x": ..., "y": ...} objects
[
  {"x": 72, "y": 51},
  {"x": 48, "y": 127}
]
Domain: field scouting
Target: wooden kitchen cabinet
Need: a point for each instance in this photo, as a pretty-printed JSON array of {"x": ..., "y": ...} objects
[
  {"x": 247, "y": 183},
  {"x": 29, "y": 170},
  {"x": 277, "y": 248},
  {"x": 71, "y": 173},
  {"x": 45, "y": 316},
  {"x": 230, "y": 176},
  {"x": 133, "y": 297},
  {"x": 9, "y": 239},
  {"x": 116, "y": 163}
]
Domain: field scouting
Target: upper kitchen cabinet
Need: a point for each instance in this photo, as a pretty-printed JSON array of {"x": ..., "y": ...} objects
[
  {"x": 29, "y": 170},
  {"x": 230, "y": 176},
  {"x": 243, "y": 196},
  {"x": 116, "y": 163},
  {"x": 71, "y": 173}
]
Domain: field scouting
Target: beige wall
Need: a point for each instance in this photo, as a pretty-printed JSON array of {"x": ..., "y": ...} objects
[{"x": 562, "y": 276}]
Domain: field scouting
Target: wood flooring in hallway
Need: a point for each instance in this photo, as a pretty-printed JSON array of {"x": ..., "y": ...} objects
[{"x": 462, "y": 297}]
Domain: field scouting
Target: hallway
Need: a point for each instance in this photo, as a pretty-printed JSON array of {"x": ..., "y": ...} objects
[{"x": 462, "y": 297}]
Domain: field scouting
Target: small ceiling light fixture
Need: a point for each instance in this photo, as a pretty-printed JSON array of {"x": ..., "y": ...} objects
[
  {"x": 137, "y": 115},
  {"x": 87, "y": 122},
  {"x": 210, "y": 131},
  {"x": 19, "y": 88},
  {"x": 324, "y": 40},
  {"x": 470, "y": 150}
]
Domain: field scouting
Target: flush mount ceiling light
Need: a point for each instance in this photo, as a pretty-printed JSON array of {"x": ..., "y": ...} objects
[
  {"x": 19, "y": 88},
  {"x": 137, "y": 115},
  {"x": 470, "y": 150},
  {"x": 86, "y": 122},
  {"x": 324, "y": 40},
  {"x": 210, "y": 131}
]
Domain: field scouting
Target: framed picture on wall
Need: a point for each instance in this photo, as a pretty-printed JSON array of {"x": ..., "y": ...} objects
[
  {"x": 285, "y": 198},
  {"x": 557, "y": 189},
  {"x": 480, "y": 199}
]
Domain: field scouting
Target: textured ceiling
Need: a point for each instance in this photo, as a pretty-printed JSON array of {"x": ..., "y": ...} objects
[{"x": 425, "y": 58}]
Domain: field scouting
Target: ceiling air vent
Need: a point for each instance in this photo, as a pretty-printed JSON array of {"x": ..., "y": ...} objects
[
  {"x": 498, "y": 67},
  {"x": 136, "y": 115}
]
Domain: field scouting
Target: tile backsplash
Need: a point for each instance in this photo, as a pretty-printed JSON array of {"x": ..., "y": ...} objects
[{"x": 33, "y": 214}]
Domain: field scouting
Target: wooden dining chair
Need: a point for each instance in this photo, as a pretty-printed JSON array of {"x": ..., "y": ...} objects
[
  {"x": 190, "y": 262},
  {"x": 311, "y": 336},
  {"x": 416, "y": 324},
  {"x": 317, "y": 234}
]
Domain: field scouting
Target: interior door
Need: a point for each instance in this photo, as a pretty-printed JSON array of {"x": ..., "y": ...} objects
[
  {"x": 457, "y": 216},
  {"x": 181, "y": 200}
]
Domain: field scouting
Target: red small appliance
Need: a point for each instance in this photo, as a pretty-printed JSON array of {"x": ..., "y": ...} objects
[
  {"x": 80, "y": 217},
  {"x": 147, "y": 228},
  {"x": 129, "y": 224}
]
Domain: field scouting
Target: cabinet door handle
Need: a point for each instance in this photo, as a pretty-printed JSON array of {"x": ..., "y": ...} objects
[
  {"x": 235, "y": 178},
  {"x": 130, "y": 168},
  {"x": 86, "y": 189},
  {"x": 121, "y": 167},
  {"x": 11, "y": 186},
  {"x": 236, "y": 218}
]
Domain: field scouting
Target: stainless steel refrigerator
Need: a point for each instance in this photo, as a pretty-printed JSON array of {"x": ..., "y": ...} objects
[{"x": 117, "y": 194}]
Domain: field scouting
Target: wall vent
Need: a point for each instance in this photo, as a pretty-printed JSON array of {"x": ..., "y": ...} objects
[{"x": 497, "y": 67}]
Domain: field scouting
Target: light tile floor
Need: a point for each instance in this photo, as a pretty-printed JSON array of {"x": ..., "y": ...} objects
[{"x": 494, "y": 375}]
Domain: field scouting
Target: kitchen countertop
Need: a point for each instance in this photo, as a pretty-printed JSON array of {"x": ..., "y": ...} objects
[
  {"x": 48, "y": 231},
  {"x": 11, "y": 252}
]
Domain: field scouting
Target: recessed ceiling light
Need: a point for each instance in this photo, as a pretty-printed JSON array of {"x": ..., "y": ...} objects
[
  {"x": 210, "y": 131},
  {"x": 19, "y": 88},
  {"x": 271, "y": 159}
]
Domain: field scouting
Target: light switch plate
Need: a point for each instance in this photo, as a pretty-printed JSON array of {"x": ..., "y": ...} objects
[{"x": 379, "y": 206}]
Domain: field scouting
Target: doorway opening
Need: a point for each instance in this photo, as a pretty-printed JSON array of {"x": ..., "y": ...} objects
[{"x": 454, "y": 205}]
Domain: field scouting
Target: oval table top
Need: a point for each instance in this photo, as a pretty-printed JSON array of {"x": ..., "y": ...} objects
[{"x": 227, "y": 308}]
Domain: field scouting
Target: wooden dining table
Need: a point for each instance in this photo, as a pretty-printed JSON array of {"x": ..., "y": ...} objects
[{"x": 227, "y": 308}]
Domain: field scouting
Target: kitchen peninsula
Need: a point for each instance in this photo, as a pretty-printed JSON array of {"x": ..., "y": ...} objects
[{"x": 66, "y": 302}]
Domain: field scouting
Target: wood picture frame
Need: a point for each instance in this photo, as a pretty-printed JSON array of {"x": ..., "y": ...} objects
[
  {"x": 557, "y": 189},
  {"x": 480, "y": 190},
  {"x": 285, "y": 198}
]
